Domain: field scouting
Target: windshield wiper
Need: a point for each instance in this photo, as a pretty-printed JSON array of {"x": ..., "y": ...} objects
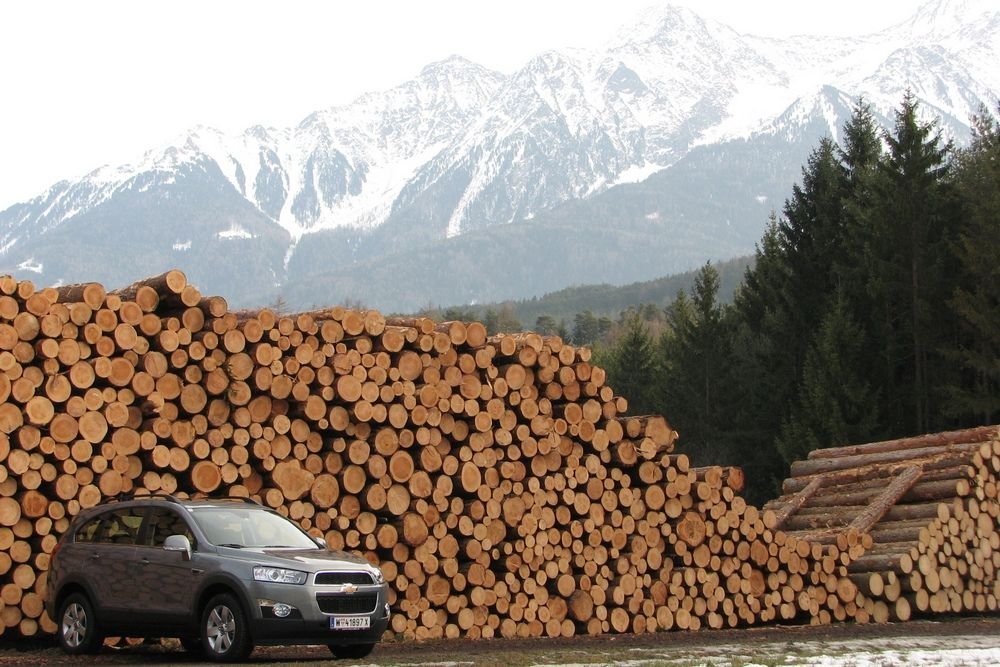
[{"x": 231, "y": 545}]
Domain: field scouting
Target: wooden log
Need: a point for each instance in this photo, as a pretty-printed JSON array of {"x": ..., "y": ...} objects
[
  {"x": 92, "y": 294},
  {"x": 776, "y": 518},
  {"x": 166, "y": 284},
  {"x": 881, "y": 504},
  {"x": 932, "y": 466},
  {"x": 918, "y": 443},
  {"x": 814, "y": 466}
]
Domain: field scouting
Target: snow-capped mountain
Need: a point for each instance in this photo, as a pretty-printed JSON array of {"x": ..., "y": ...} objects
[{"x": 695, "y": 130}]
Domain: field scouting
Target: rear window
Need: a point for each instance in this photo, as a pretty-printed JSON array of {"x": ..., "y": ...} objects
[{"x": 117, "y": 526}]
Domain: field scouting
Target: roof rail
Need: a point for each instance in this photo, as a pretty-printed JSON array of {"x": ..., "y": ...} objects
[
  {"x": 131, "y": 495},
  {"x": 169, "y": 497},
  {"x": 243, "y": 499}
]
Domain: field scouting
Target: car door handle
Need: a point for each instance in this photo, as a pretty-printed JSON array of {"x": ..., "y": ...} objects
[
  {"x": 145, "y": 561},
  {"x": 196, "y": 570}
]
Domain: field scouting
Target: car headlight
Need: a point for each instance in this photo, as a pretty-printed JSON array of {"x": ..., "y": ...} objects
[
  {"x": 278, "y": 575},
  {"x": 378, "y": 576}
]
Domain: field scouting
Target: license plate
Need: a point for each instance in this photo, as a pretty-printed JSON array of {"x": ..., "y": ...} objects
[{"x": 350, "y": 622}]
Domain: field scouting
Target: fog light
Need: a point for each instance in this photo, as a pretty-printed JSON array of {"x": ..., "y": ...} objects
[{"x": 274, "y": 609}]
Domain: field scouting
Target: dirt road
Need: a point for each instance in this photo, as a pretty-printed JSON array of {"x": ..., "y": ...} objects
[{"x": 974, "y": 641}]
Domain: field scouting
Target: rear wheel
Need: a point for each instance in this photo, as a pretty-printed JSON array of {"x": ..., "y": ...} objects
[
  {"x": 225, "y": 634},
  {"x": 78, "y": 629},
  {"x": 351, "y": 651}
]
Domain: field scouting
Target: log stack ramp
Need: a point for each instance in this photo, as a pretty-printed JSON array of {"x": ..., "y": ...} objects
[
  {"x": 924, "y": 510},
  {"x": 497, "y": 480}
]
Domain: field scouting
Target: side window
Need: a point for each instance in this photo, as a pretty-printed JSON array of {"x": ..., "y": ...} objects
[
  {"x": 88, "y": 531},
  {"x": 163, "y": 523},
  {"x": 120, "y": 526}
]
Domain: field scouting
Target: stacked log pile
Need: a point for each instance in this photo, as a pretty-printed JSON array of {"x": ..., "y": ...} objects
[
  {"x": 496, "y": 479},
  {"x": 927, "y": 505}
]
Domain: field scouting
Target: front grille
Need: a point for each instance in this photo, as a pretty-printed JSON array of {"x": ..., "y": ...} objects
[
  {"x": 340, "y": 578},
  {"x": 357, "y": 603}
]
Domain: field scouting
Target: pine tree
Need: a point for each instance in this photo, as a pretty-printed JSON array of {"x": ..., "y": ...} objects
[
  {"x": 545, "y": 325},
  {"x": 562, "y": 330},
  {"x": 502, "y": 321},
  {"x": 585, "y": 328}
]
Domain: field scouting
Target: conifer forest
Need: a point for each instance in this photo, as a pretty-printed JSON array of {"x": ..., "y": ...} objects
[{"x": 871, "y": 311}]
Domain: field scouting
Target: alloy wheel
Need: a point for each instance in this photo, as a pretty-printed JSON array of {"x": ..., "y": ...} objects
[
  {"x": 221, "y": 630},
  {"x": 74, "y": 625}
]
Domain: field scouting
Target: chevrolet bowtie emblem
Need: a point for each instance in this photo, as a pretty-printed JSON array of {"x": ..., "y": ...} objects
[{"x": 350, "y": 588}]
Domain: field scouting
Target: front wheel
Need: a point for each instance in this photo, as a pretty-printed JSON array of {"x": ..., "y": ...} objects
[
  {"x": 225, "y": 634},
  {"x": 351, "y": 651},
  {"x": 79, "y": 632}
]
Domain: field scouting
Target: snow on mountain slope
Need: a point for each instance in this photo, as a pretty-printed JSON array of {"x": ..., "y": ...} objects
[
  {"x": 344, "y": 166},
  {"x": 460, "y": 147}
]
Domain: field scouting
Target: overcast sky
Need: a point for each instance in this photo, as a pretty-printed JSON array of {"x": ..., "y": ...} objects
[{"x": 89, "y": 83}]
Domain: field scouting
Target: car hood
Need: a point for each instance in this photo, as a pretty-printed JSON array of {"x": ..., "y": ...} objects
[{"x": 313, "y": 559}]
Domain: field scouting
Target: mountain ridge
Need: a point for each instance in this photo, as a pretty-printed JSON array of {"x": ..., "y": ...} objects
[{"x": 461, "y": 148}]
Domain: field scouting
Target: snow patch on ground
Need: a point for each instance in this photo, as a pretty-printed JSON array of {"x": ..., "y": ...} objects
[
  {"x": 943, "y": 657},
  {"x": 957, "y": 651}
]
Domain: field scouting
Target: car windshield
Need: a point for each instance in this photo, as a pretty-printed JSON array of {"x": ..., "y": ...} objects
[{"x": 250, "y": 528}]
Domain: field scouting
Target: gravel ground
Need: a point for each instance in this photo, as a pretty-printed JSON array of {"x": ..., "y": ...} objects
[{"x": 950, "y": 642}]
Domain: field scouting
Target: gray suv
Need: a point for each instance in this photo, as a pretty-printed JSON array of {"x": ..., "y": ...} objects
[{"x": 221, "y": 575}]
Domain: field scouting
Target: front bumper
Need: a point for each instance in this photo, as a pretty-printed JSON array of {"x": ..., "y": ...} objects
[
  {"x": 308, "y": 623},
  {"x": 298, "y": 631}
]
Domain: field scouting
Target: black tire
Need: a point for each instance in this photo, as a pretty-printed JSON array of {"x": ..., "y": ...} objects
[
  {"x": 351, "y": 651},
  {"x": 225, "y": 633},
  {"x": 79, "y": 631}
]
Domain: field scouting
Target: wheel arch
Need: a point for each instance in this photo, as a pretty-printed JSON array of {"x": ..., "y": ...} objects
[
  {"x": 219, "y": 586},
  {"x": 67, "y": 589}
]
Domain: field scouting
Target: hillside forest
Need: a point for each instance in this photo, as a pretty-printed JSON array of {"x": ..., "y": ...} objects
[{"x": 871, "y": 309}]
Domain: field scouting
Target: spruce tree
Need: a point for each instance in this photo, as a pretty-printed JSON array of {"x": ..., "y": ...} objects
[
  {"x": 862, "y": 145},
  {"x": 763, "y": 378},
  {"x": 694, "y": 354},
  {"x": 835, "y": 403},
  {"x": 975, "y": 397},
  {"x": 812, "y": 235},
  {"x": 909, "y": 226},
  {"x": 631, "y": 366},
  {"x": 861, "y": 154}
]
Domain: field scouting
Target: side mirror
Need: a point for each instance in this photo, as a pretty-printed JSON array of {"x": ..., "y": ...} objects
[
  {"x": 178, "y": 543},
  {"x": 320, "y": 542}
]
